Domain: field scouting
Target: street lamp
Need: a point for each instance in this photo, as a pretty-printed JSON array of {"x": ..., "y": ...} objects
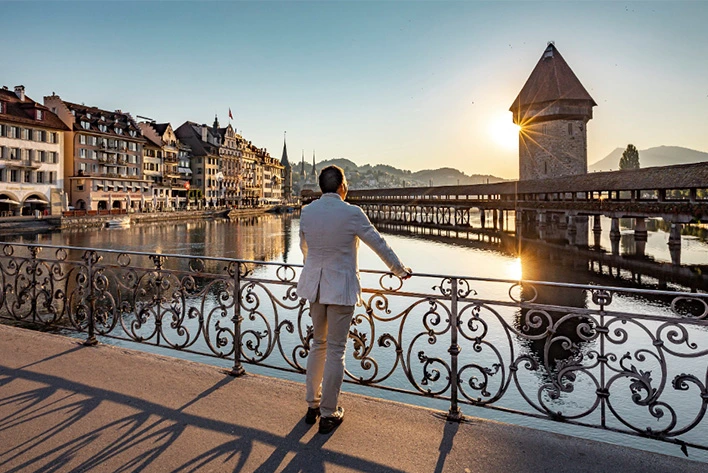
[{"x": 220, "y": 180}]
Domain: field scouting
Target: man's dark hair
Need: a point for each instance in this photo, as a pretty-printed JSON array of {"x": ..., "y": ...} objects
[{"x": 331, "y": 178}]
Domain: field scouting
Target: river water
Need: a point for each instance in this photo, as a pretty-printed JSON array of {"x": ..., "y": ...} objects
[{"x": 275, "y": 238}]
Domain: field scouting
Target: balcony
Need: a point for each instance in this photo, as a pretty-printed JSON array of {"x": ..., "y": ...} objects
[{"x": 19, "y": 164}]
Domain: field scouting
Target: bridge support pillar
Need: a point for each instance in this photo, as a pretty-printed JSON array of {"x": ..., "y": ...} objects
[
  {"x": 596, "y": 230},
  {"x": 640, "y": 235},
  {"x": 481, "y": 217},
  {"x": 542, "y": 225},
  {"x": 675, "y": 243},
  {"x": 615, "y": 235},
  {"x": 572, "y": 231}
]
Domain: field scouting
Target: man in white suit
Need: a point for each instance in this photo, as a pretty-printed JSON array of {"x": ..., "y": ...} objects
[{"x": 330, "y": 230}]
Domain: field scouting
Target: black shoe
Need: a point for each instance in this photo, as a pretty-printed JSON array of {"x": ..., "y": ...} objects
[
  {"x": 312, "y": 414},
  {"x": 328, "y": 424}
]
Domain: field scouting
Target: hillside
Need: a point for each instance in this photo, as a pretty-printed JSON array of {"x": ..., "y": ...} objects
[
  {"x": 658, "y": 156},
  {"x": 385, "y": 176}
]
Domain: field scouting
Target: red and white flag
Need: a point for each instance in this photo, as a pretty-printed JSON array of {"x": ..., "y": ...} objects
[{"x": 230, "y": 116}]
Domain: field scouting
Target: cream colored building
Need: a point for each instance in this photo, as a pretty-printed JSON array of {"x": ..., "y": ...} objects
[
  {"x": 103, "y": 153},
  {"x": 31, "y": 156}
]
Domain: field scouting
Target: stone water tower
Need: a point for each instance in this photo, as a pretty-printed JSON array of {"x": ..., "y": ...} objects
[{"x": 552, "y": 109}]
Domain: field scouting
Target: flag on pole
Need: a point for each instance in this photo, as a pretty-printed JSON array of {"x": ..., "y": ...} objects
[{"x": 230, "y": 115}]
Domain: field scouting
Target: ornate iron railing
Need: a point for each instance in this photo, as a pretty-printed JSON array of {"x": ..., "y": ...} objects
[{"x": 586, "y": 355}]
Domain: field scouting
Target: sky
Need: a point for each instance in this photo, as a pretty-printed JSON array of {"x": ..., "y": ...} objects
[{"x": 416, "y": 85}]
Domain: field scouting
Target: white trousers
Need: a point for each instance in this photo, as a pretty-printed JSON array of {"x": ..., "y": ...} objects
[{"x": 325, "y": 363}]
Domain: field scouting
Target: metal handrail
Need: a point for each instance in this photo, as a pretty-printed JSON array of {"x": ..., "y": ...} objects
[{"x": 501, "y": 344}]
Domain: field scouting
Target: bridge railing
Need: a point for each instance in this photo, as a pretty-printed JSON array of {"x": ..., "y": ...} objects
[{"x": 626, "y": 360}]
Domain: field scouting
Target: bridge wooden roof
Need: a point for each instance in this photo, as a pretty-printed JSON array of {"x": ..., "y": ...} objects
[{"x": 683, "y": 176}]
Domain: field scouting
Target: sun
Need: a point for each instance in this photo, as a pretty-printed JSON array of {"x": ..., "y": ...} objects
[{"x": 504, "y": 132}]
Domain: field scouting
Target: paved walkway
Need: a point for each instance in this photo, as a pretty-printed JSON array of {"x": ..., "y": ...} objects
[{"x": 65, "y": 407}]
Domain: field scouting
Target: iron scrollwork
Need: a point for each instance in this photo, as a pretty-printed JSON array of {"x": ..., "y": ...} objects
[{"x": 565, "y": 352}]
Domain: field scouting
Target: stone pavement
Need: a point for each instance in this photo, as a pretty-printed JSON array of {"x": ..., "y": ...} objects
[{"x": 69, "y": 408}]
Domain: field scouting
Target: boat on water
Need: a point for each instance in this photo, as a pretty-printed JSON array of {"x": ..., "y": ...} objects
[
  {"x": 118, "y": 222},
  {"x": 281, "y": 209},
  {"x": 218, "y": 213}
]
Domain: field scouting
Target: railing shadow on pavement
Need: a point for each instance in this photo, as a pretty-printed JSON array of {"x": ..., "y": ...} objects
[
  {"x": 139, "y": 439},
  {"x": 579, "y": 354}
]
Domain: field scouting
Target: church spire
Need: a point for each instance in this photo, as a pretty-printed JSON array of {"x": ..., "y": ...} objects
[
  {"x": 302, "y": 166},
  {"x": 314, "y": 167},
  {"x": 284, "y": 159}
]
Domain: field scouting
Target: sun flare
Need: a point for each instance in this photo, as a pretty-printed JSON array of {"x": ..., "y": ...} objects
[
  {"x": 504, "y": 132},
  {"x": 513, "y": 269}
]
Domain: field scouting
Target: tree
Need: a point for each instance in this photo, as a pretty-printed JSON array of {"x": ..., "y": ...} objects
[{"x": 630, "y": 158}]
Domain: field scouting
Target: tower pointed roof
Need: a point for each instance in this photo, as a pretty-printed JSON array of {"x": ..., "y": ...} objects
[
  {"x": 314, "y": 167},
  {"x": 284, "y": 159},
  {"x": 302, "y": 165},
  {"x": 550, "y": 81}
]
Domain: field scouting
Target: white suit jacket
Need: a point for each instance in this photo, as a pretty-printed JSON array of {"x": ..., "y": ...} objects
[{"x": 330, "y": 230}]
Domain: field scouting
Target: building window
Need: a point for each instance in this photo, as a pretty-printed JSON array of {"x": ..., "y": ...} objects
[
  {"x": 52, "y": 177},
  {"x": 14, "y": 154},
  {"x": 52, "y": 137},
  {"x": 85, "y": 125},
  {"x": 2, "y": 107},
  {"x": 53, "y": 157},
  {"x": 544, "y": 129},
  {"x": 28, "y": 176},
  {"x": 40, "y": 177},
  {"x": 40, "y": 115},
  {"x": 26, "y": 134},
  {"x": 82, "y": 167},
  {"x": 570, "y": 129},
  {"x": 14, "y": 175},
  {"x": 94, "y": 141},
  {"x": 82, "y": 153},
  {"x": 82, "y": 139},
  {"x": 545, "y": 167}
]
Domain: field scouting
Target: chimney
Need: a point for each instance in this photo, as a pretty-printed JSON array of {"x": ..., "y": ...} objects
[
  {"x": 20, "y": 92},
  {"x": 204, "y": 133}
]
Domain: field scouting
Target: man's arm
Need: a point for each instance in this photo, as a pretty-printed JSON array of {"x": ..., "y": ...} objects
[
  {"x": 373, "y": 239},
  {"x": 303, "y": 246}
]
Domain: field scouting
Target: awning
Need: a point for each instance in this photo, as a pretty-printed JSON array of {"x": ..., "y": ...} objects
[
  {"x": 36, "y": 200},
  {"x": 9, "y": 201}
]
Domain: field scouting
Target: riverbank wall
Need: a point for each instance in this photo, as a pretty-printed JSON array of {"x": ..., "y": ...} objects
[{"x": 13, "y": 225}]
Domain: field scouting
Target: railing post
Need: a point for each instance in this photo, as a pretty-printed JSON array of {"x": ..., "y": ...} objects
[
  {"x": 454, "y": 414},
  {"x": 91, "y": 258},
  {"x": 238, "y": 369}
]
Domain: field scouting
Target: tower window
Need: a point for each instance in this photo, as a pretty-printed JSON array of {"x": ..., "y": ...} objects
[
  {"x": 545, "y": 167},
  {"x": 570, "y": 129},
  {"x": 544, "y": 129}
]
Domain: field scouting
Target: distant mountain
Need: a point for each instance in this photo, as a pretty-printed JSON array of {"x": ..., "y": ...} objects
[
  {"x": 451, "y": 177},
  {"x": 658, "y": 156},
  {"x": 385, "y": 176}
]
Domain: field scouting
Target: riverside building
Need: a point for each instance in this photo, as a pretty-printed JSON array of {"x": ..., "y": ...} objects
[
  {"x": 229, "y": 176},
  {"x": 163, "y": 159},
  {"x": 205, "y": 143},
  {"x": 102, "y": 157},
  {"x": 31, "y": 144}
]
